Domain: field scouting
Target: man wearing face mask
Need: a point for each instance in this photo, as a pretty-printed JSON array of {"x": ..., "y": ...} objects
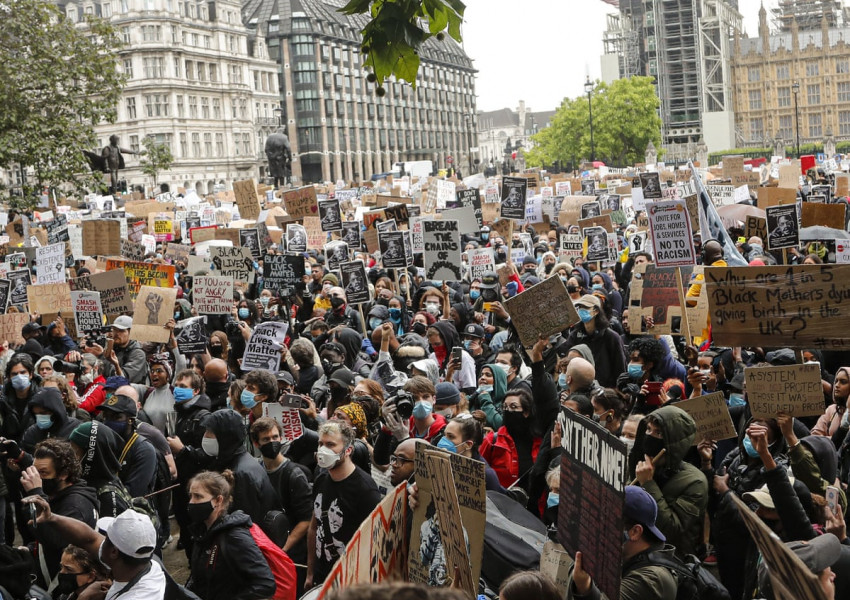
[
  {"x": 217, "y": 380},
  {"x": 473, "y": 343},
  {"x": 340, "y": 313},
  {"x": 138, "y": 456},
  {"x": 51, "y": 418},
  {"x": 260, "y": 387},
  {"x": 344, "y": 496}
]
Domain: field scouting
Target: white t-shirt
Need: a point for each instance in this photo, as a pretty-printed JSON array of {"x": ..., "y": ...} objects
[{"x": 149, "y": 587}]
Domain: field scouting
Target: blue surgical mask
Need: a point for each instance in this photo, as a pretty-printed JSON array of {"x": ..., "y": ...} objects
[
  {"x": 422, "y": 409},
  {"x": 176, "y": 315},
  {"x": 635, "y": 370},
  {"x": 598, "y": 286},
  {"x": 264, "y": 300},
  {"x": 539, "y": 259},
  {"x": 485, "y": 236},
  {"x": 585, "y": 315},
  {"x": 467, "y": 344},
  {"x": 182, "y": 394},
  {"x": 564, "y": 279},
  {"x": 552, "y": 499},
  {"x": 736, "y": 400},
  {"x": 44, "y": 421},
  {"x": 485, "y": 389},
  {"x": 395, "y": 314},
  {"x": 446, "y": 444},
  {"x": 374, "y": 323},
  {"x": 474, "y": 294},
  {"x": 749, "y": 448},
  {"x": 247, "y": 399},
  {"x": 562, "y": 380},
  {"x": 244, "y": 313},
  {"x": 21, "y": 381}
]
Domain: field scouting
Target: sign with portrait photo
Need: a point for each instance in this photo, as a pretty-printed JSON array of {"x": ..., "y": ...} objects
[
  {"x": 514, "y": 194},
  {"x": 782, "y": 227},
  {"x": 354, "y": 282}
]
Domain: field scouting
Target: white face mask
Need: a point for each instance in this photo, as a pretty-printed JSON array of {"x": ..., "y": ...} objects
[
  {"x": 446, "y": 412},
  {"x": 327, "y": 458},
  {"x": 209, "y": 446},
  {"x": 629, "y": 443}
]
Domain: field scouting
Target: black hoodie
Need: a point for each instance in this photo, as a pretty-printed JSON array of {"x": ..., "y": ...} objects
[
  {"x": 253, "y": 493},
  {"x": 352, "y": 342},
  {"x": 49, "y": 399},
  {"x": 101, "y": 465},
  {"x": 190, "y": 430}
]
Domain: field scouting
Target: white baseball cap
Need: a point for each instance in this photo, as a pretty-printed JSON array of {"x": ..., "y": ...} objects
[
  {"x": 123, "y": 322},
  {"x": 133, "y": 534}
]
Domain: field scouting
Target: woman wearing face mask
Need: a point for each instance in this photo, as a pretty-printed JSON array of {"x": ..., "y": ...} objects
[
  {"x": 486, "y": 403},
  {"x": 398, "y": 315},
  {"x": 218, "y": 346},
  {"x": 605, "y": 345},
  {"x": 51, "y": 418},
  {"x": 463, "y": 435},
  {"x": 601, "y": 282},
  {"x": 268, "y": 306},
  {"x": 378, "y": 315},
  {"x": 77, "y": 569},
  {"x": 434, "y": 302},
  {"x": 246, "y": 310},
  {"x": 547, "y": 265},
  {"x": 512, "y": 450},
  {"x": 226, "y": 563}
]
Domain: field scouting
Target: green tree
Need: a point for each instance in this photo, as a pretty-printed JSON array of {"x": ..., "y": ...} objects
[
  {"x": 156, "y": 157},
  {"x": 398, "y": 28},
  {"x": 58, "y": 80}
]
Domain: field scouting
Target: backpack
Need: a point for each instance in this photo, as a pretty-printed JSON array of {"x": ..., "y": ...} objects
[
  {"x": 513, "y": 539},
  {"x": 695, "y": 582},
  {"x": 140, "y": 505},
  {"x": 282, "y": 567}
]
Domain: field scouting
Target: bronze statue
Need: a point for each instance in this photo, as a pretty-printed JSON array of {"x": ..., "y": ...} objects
[
  {"x": 110, "y": 160},
  {"x": 279, "y": 153}
]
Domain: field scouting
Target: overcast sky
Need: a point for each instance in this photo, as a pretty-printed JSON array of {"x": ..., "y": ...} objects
[{"x": 541, "y": 50}]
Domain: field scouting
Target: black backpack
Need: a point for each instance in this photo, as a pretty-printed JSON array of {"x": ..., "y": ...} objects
[
  {"x": 513, "y": 539},
  {"x": 694, "y": 581}
]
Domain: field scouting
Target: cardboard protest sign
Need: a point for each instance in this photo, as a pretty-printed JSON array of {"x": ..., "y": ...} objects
[
  {"x": 789, "y": 175},
  {"x": 336, "y": 253},
  {"x": 590, "y": 210},
  {"x": 465, "y": 216},
  {"x": 771, "y": 196},
  {"x": 655, "y": 294},
  {"x": 542, "y": 309},
  {"x": 282, "y": 271},
  {"x": 202, "y": 234},
  {"x": 246, "y": 199},
  {"x": 153, "y": 308},
  {"x": 514, "y": 193},
  {"x": 596, "y": 239},
  {"x": 732, "y": 165},
  {"x": 212, "y": 295},
  {"x": 316, "y": 238},
  {"x": 782, "y": 227},
  {"x": 354, "y": 282},
  {"x": 795, "y": 390},
  {"x": 672, "y": 237},
  {"x": 650, "y": 183},
  {"x": 441, "y": 241},
  {"x": 755, "y": 226},
  {"x": 828, "y": 215},
  {"x": 392, "y": 249},
  {"x": 593, "y": 490},
  {"x": 288, "y": 417},
  {"x": 721, "y": 194},
  {"x": 556, "y": 564},
  {"x": 250, "y": 238},
  {"x": 50, "y": 299},
  {"x": 163, "y": 228},
  {"x": 263, "y": 349},
  {"x": 11, "y": 325},
  {"x": 378, "y": 549},
  {"x": 191, "y": 335},
  {"x": 296, "y": 238},
  {"x": 588, "y": 187},
  {"x": 19, "y": 280},
  {"x": 88, "y": 311},
  {"x": 603, "y": 221},
  {"x": 711, "y": 415},
  {"x": 481, "y": 261},
  {"x": 112, "y": 287},
  {"x": 177, "y": 252},
  {"x": 138, "y": 274},
  {"x": 301, "y": 202},
  {"x": 101, "y": 237},
  {"x": 471, "y": 197},
  {"x": 132, "y": 250},
  {"x": 450, "y": 517},
  {"x": 57, "y": 229},
  {"x": 50, "y": 264},
  {"x": 330, "y": 215},
  {"x": 236, "y": 262}
]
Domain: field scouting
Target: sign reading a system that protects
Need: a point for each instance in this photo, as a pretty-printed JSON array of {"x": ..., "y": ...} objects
[{"x": 672, "y": 239}]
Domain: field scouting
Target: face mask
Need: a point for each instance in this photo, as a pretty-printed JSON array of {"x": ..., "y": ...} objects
[
  {"x": 572, "y": 289},
  {"x": 539, "y": 259},
  {"x": 247, "y": 399},
  {"x": 548, "y": 268},
  {"x": 44, "y": 421},
  {"x": 505, "y": 368},
  {"x": 85, "y": 379},
  {"x": 327, "y": 458},
  {"x": 446, "y": 444},
  {"x": 628, "y": 442},
  {"x": 374, "y": 323},
  {"x": 50, "y": 486},
  {"x": 419, "y": 328},
  {"x": 467, "y": 345},
  {"x": 67, "y": 583},
  {"x": 562, "y": 380},
  {"x": 182, "y": 394},
  {"x": 21, "y": 381},
  {"x": 446, "y": 412},
  {"x": 270, "y": 450},
  {"x": 652, "y": 445},
  {"x": 635, "y": 370},
  {"x": 432, "y": 308},
  {"x": 216, "y": 351},
  {"x": 337, "y": 303},
  {"x": 585, "y": 315},
  {"x": 749, "y": 448},
  {"x": 382, "y": 301},
  {"x": 200, "y": 512},
  {"x": 485, "y": 236},
  {"x": 177, "y": 315},
  {"x": 597, "y": 286},
  {"x": 595, "y": 417},
  {"x": 264, "y": 300},
  {"x": 243, "y": 313},
  {"x": 119, "y": 427},
  {"x": 209, "y": 446},
  {"x": 515, "y": 422},
  {"x": 485, "y": 388},
  {"x": 474, "y": 294},
  {"x": 736, "y": 400},
  {"x": 339, "y": 394},
  {"x": 395, "y": 314},
  {"x": 552, "y": 499},
  {"x": 422, "y": 409}
]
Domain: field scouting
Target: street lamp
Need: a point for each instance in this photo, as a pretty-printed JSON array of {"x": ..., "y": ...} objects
[
  {"x": 796, "y": 88},
  {"x": 588, "y": 88}
]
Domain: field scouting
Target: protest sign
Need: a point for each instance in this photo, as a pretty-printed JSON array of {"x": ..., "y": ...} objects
[
  {"x": 782, "y": 227},
  {"x": 593, "y": 482},
  {"x": 228, "y": 235},
  {"x": 563, "y": 188},
  {"x": 542, "y": 309},
  {"x": 112, "y": 286},
  {"x": 288, "y": 417},
  {"x": 101, "y": 237},
  {"x": 603, "y": 221},
  {"x": 19, "y": 280},
  {"x": 556, "y": 564},
  {"x": 514, "y": 193},
  {"x": 250, "y": 238},
  {"x": 651, "y": 185},
  {"x": 570, "y": 246},
  {"x": 672, "y": 238},
  {"x": 11, "y": 325},
  {"x": 465, "y": 216},
  {"x": 711, "y": 415},
  {"x": 163, "y": 228},
  {"x": 178, "y": 252},
  {"x": 336, "y": 253},
  {"x": 153, "y": 308},
  {"x": 794, "y": 306},
  {"x": 330, "y": 215},
  {"x": 450, "y": 517},
  {"x": 590, "y": 210},
  {"x": 789, "y": 175},
  {"x": 441, "y": 243},
  {"x": 301, "y": 202},
  {"x": 795, "y": 390},
  {"x": 471, "y": 197},
  {"x": 351, "y": 234},
  {"x": 88, "y": 311},
  {"x": 245, "y": 193},
  {"x": 732, "y": 165},
  {"x": 212, "y": 295},
  {"x": 132, "y": 250},
  {"x": 316, "y": 238},
  {"x": 263, "y": 349},
  {"x": 596, "y": 239},
  {"x": 771, "y": 196},
  {"x": 235, "y": 262},
  {"x": 50, "y": 299},
  {"x": 481, "y": 261},
  {"x": 392, "y": 249},
  {"x": 138, "y": 274},
  {"x": 282, "y": 271},
  {"x": 828, "y": 215},
  {"x": 5, "y": 289},
  {"x": 191, "y": 335},
  {"x": 354, "y": 282},
  {"x": 655, "y": 294},
  {"x": 588, "y": 187},
  {"x": 50, "y": 264},
  {"x": 755, "y": 226},
  {"x": 57, "y": 229},
  {"x": 202, "y": 234},
  {"x": 721, "y": 195},
  {"x": 296, "y": 238}
]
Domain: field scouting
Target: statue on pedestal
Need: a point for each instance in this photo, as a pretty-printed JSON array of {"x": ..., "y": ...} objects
[
  {"x": 110, "y": 160},
  {"x": 279, "y": 153}
]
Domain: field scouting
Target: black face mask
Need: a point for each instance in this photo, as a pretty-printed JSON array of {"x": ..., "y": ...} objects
[
  {"x": 50, "y": 486},
  {"x": 216, "y": 351},
  {"x": 198, "y": 513},
  {"x": 328, "y": 367},
  {"x": 270, "y": 450},
  {"x": 548, "y": 267},
  {"x": 217, "y": 387},
  {"x": 516, "y": 423},
  {"x": 338, "y": 394},
  {"x": 418, "y": 328},
  {"x": 652, "y": 445},
  {"x": 67, "y": 583},
  {"x": 572, "y": 289},
  {"x": 337, "y": 303},
  {"x": 382, "y": 301}
]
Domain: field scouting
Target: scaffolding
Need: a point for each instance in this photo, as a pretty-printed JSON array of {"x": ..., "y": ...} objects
[
  {"x": 717, "y": 25},
  {"x": 808, "y": 14}
]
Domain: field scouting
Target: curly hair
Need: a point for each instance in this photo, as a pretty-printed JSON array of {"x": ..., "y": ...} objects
[
  {"x": 62, "y": 454},
  {"x": 649, "y": 349},
  {"x": 69, "y": 396}
]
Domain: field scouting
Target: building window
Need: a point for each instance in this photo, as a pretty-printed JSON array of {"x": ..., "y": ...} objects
[
  {"x": 190, "y": 70},
  {"x": 151, "y": 33},
  {"x": 205, "y": 107},
  {"x": 213, "y": 73},
  {"x": 812, "y": 69},
  {"x": 813, "y": 94},
  {"x": 219, "y": 144},
  {"x": 184, "y": 146},
  {"x": 202, "y": 72},
  {"x": 236, "y": 137},
  {"x": 246, "y": 143},
  {"x": 216, "y": 104},
  {"x": 196, "y": 144},
  {"x": 153, "y": 68},
  {"x": 304, "y": 77},
  {"x": 208, "y": 149},
  {"x": 131, "y": 108},
  {"x": 755, "y": 99},
  {"x": 134, "y": 143},
  {"x": 783, "y": 97},
  {"x": 125, "y": 35},
  {"x": 180, "y": 108},
  {"x": 177, "y": 67},
  {"x": 815, "y": 126},
  {"x": 785, "y": 127},
  {"x": 844, "y": 91},
  {"x": 157, "y": 105},
  {"x": 106, "y": 10},
  {"x": 842, "y": 66},
  {"x": 844, "y": 122},
  {"x": 124, "y": 7},
  {"x": 754, "y": 74},
  {"x": 756, "y": 129},
  {"x": 193, "y": 107},
  {"x": 128, "y": 67},
  {"x": 243, "y": 108},
  {"x": 783, "y": 71}
]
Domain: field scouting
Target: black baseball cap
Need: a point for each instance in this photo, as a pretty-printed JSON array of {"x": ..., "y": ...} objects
[{"x": 122, "y": 404}]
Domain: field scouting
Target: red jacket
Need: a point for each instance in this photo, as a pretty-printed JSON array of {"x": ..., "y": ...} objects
[
  {"x": 94, "y": 396},
  {"x": 434, "y": 429},
  {"x": 499, "y": 450}
]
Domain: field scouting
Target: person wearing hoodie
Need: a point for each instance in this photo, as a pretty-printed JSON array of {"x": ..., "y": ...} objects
[
  {"x": 513, "y": 448},
  {"x": 98, "y": 447},
  {"x": 138, "y": 456},
  {"x": 51, "y": 418},
  {"x": 225, "y": 441},
  {"x": 604, "y": 343},
  {"x": 55, "y": 475},
  {"x": 679, "y": 488},
  {"x": 56, "y": 341},
  {"x": 486, "y": 403},
  {"x": 226, "y": 563},
  {"x": 836, "y": 416},
  {"x": 21, "y": 385},
  {"x": 443, "y": 338},
  {"x": 601, "y": 281},
  {"x": 351, "y": 342}
]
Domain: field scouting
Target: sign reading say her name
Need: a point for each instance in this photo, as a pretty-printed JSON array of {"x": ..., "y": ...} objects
[
  {"x": 542, "y": 309},
  {"x": 593, "y": 490},
  {"x": 263, "y": 349},
  {"x": 441, "y": 241},
  {"x": 795, "y": 306},
  {"x": 236, "y": 262},
  {"x": 282, "y": 271},
  {"x": 795, "y": 390},
  {"x": 212, "y": 295}
]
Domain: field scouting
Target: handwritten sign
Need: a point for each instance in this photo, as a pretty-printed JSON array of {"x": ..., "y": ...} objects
[
  {"x": 543, "y": 309},
  {"x": 655, "y": 294},
  {"x": 793, "y": 389},
  {"x": 212, "y": 295},
  {"x": 11, "y": 325},
  {"x": 282, "y": 271},
  {"x": 263, "y": 349},
  {"x": 234, "y": 261},
  {"x": 301, "y": 202},
  {"x": 50, "y": 299},
  {"x": 50, "y": 264},
  {"x": 245, "y": 193},
  {"x": 112, "y": 286},
  {"x": 101, "y": 237},
  {"x": 441, "y": 241},
  {"x": 711, "y": 415}
]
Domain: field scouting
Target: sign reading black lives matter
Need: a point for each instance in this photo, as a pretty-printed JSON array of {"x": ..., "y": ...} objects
[
  {"x": 392, "y": 249},
  {"x": 782, "y": 230},
  {"x": 592, "y": 495},
  {"x": 282, "y": 271},
  {"x": 354, "y": 282},
  {"x": 514, "y": 193},
  {"x": 441, "y": 240},
  {"x": 263, "y": 349},
  {"x": 672, "y": 239}
]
